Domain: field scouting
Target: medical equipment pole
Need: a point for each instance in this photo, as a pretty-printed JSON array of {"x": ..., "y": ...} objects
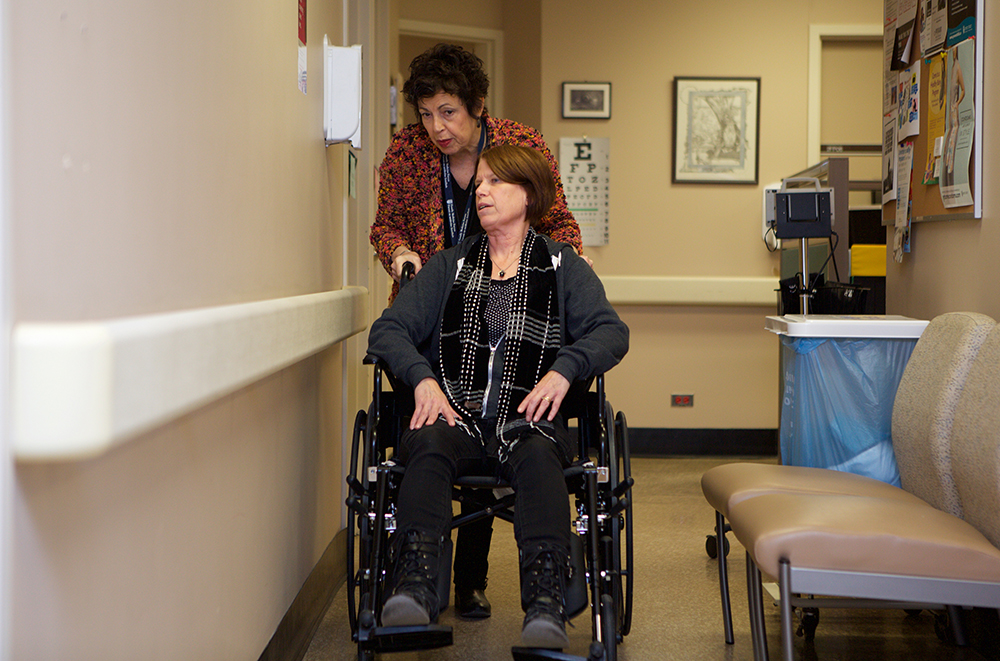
[{"x": 804, "y": 264}]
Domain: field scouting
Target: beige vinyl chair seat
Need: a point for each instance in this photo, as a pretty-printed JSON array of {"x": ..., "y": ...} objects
[
  {"x": 843, "y": 533},
  {"x": 730, "y": 484}
]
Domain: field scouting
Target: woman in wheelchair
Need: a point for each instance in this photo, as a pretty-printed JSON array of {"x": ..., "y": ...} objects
[{"x": 490, "y": 335}]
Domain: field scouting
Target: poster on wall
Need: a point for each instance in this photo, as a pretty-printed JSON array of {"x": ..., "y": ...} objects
[
  {"x": 584, "y": 167},
  {"x": 960, "y": 124},
  {"x": 716, "y": 130}
]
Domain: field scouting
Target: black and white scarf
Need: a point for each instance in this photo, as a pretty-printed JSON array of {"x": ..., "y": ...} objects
[{"x": 532, "y": 340}]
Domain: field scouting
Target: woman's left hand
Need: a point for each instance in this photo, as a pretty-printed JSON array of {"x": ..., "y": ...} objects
[{"x": 548, "y": 393}]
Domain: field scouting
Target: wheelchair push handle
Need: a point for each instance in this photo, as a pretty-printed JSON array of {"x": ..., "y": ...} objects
[{"x": 406, "y": 273}]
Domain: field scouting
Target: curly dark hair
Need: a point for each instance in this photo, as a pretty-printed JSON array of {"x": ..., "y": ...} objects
[{"x": 447, "y": 68}]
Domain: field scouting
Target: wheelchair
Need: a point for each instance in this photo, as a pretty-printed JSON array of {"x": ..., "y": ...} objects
[{"x": 602, "y": 577}]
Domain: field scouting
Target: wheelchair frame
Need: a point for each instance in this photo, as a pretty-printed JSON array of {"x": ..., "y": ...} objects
[{"x": 600, "y": 488}]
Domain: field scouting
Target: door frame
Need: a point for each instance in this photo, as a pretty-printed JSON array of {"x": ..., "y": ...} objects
[{"x": 817, "y": 35}]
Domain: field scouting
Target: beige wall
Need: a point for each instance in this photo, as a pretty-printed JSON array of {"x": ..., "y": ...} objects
[
  {"x": 721, "y": 355},
  {"x": 956, "y": 265},
  {"x": 522, "y": 26},
  {"x": 166, "y": 160}
]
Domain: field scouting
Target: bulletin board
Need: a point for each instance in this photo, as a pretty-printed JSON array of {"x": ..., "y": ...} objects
[{"x": 925, "y": 199}]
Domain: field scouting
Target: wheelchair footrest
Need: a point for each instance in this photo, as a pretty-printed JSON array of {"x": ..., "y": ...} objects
[
  {"x": 404, "y": 639},
  {"x": 539, "y": 654}
]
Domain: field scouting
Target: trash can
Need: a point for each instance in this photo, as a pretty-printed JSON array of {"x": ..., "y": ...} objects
[{"x": 839, "y": 375}]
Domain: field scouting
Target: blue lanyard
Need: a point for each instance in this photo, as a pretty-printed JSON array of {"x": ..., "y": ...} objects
[{"x": 457, "y": 233}]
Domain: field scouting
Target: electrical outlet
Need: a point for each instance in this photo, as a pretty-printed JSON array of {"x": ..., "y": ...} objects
[{"x": 682, "y": 400}]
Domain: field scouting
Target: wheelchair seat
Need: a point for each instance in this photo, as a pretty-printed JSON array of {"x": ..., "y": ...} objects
[{"x": 599, "y": 480}]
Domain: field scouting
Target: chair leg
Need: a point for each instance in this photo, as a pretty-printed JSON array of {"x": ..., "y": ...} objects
[
  {"x": 785, "y": 589},
  {"x": 758, "y": 631},
  {"x": 727, "y": 610},
  {"x": 752, "y": 609},
  {"x": 957, "y": 627}
]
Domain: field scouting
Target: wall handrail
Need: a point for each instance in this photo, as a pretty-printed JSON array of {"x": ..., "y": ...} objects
[
  {"x": 81, "y": 388},
  {"x": 691, "y": 290}
]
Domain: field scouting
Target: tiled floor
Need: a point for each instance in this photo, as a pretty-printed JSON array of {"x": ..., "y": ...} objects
[{"x": 677, "y": 613}]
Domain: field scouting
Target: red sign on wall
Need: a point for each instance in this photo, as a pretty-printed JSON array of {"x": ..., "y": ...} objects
[{"x": 302, "y": 22}]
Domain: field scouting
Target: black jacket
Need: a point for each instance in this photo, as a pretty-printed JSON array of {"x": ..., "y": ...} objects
[{"x": 406, "y": 336}]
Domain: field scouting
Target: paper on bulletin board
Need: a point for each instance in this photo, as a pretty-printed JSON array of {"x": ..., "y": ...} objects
[
  {"x": 302, "y": 46},
  {"x": 908, "y": 124},
  {"x": 960, "y": 120},
  {"x": 906, "y": 18},
  {"x": 935, "y": 109},
  {"x": 961, "y": 21},
  {"x": 890, "y": 152},
  {"x": 889, "y": 86},
  {"x": 585, "y": 173},
  {"x": 933, "y": 26},
  {"x": 901, "y": 238}
]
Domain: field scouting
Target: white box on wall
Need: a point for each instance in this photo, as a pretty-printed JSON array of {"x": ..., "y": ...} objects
[{"x": 342, "y": 93}]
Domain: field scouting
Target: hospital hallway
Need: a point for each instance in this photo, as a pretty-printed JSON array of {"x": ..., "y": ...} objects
[{"x": 677, "y": 612}]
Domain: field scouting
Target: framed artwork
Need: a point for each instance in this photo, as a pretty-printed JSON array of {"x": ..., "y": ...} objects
[
  {"x": 586, "y": 100},
  {"x": 716, "y": 127}
]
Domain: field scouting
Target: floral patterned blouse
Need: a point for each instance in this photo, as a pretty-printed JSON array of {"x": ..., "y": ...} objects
[{"x": 410, "y": 206}]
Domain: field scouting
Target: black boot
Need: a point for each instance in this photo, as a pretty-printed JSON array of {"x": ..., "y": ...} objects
[
  {"x": 413, "y": 599},
  {"x": 471, "y": 603},
  {"x": 543, "y": 585}
]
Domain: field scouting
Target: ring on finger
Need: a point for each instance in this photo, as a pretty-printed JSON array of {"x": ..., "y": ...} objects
[{"x": 546, "y": 397}]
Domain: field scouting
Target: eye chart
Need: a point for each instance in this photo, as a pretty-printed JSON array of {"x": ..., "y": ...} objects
[{"x": 585, "y": 173}]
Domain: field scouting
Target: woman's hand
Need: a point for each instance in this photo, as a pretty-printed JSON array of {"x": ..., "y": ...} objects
[
  {"x": 400, "y": 256},
  {"x": 548, "y": 393},
  {"x": 430, "y": 403}
]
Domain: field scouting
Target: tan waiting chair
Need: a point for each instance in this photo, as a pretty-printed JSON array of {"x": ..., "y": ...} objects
[
  {"x": 923, "y": 411},
  {"x": 887, "y": 550}
]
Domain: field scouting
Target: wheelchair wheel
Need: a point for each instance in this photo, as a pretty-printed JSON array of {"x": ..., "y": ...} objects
[
  {"x": 609, "y": 633},
  {"x": 355, "y": 506},
  {"x": 617, "y": 529},
  {"x": 622, "y": 531},
  {"x": 361, "y": 577}
]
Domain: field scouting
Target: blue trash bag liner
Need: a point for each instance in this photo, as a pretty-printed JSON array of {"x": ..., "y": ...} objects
[{"x": 836, "y": 408}]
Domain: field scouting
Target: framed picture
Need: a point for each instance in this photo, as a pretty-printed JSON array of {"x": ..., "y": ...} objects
[
  {"x": 716, "y": 126},
  {"x": 586, "y": 100}
]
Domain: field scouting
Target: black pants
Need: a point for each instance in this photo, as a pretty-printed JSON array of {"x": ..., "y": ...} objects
[
  {"x": 472, "y": 543},
  {"x": 435, "y": 455}
]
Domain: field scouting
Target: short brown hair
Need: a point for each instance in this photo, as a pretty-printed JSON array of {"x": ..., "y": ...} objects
[{"x": 527, "y": 168}]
